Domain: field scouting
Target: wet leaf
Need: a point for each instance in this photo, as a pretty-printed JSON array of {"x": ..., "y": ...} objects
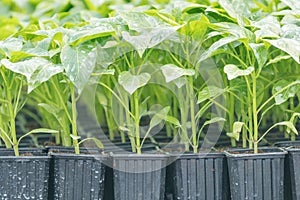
[
  {"x": 132, "y": 82},
  {"x": 290, "y": 46},
  {"x": 285, "y": 94},
  {"x": 36, "y": 70},
  {"x": 78, "y": 63},
  {"x": 172, "y": 72},
  {"x": 232, "y": 71}
]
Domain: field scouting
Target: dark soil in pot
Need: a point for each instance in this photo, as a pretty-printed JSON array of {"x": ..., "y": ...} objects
[
  {"x": 198, "y": 177},
  {"x": 77, "y": 177},
  {"x": 256, "y": 176},
  {"x": 24, "y": 177},
  {"x": 139, "y": 177}
]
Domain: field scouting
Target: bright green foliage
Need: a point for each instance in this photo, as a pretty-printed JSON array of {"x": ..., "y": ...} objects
[{"x": 141, "y": 54}]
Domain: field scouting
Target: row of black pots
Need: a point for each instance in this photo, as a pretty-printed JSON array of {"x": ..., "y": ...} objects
[{"x": 59, "y": 174}]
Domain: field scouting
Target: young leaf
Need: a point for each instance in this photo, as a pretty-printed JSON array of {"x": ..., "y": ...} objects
[
  {"x": 90, "y": 32},
  {"x": 213, "y": 48},
  {"x": 36, "y": 70},
  {"x": 289, "y": 124},
  {"x": 196, "y": 28},
  {"x": 148, "y": 38},
  {"x": 236, "y": 130},
  {"x": 290, "y": 46},
  {"x": 209, "y": 92},
  {"x": 172, "y": 72},
  {"x": 285, "y": 94},
  {"x": 293, "y": 4},
  {"x": 98, "y": 143},
  {"x": 292, "y": 120},
  {"x": 11, "y": 44},
  {"x": 237, "y": 9},
  {"x": 38, "y": 130},
  {"x": 132, "y": 82},
  {"x": 260, "y": 53},
  {"x": 232, "y": 71},
  {"x": 159, "y": 117},
  {"x": 269, "y": 27},
  {"x": 78, "y": 63},
  {"x": 173, "y": 120},
  {"x": 278, "y": 59},
  {"x": 141, "y": 21},
  {"x": 214, "y": 120}
]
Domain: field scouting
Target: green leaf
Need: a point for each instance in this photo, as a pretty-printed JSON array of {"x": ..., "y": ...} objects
[
  {"x": 278, "y": 59},
  {"x": 234, "y": 30},
  {"x": 215, "y": 46},
  {"x": 237, "y": 127},
  {"x": 237, "y": 9},
  {"x": 232, "y": 71},
  {"x": 293, "y": 4},
  {"x": 78, "y": 63},
  {"x": 209, "y": 92},
  {"x": 235, "y": 136},
  {"x": 149, "y": 38},
  {"x": 36, "y": 70},
  {"x": 196, "y": 28},
  {"x": 141, "y": 21},
  {"x": 91, "y": 31},
  {"x": 289, "y": 124},
  {"x": 11, "y": 44},
  {"x": 290, "y": 46},
  {"x": 292, "y": 120},
  {"x": 285, "y": 94},
  {"x": 214, "y": 120},
  {"x": 38, "y": 130},
  {"x": 159, "y": 117},
  {"x": 236, "y": 130},
  {"x": 173, "y": 120},
  {"x": 269, "y": 27},
  {"x": 132, "y": 82},
  {"x": 41, "y": 49},
  {"x": 112, "y": 51},
  {"x": 172, "y": 72},
  {"x": 260, "y": 53}
]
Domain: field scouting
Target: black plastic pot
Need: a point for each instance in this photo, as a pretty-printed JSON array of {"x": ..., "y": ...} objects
[
  {"x": 76, "y": 177},
  {"x": 24, "y": 177},
  {"x": 198, "y": 176},
  {"x": 139, "y": 177},
  {"x": 292, "y": 170},
  {"x": 256, "y": 176}
]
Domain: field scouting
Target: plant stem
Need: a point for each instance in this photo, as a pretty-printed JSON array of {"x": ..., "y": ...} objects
[
  {"x": 192, "y": 113},
  {"x": 13, "y": 125},
  {"x": 137, "y": 122},
  {"x": 254, "y": 110},
  {"x": 74, "y": 119},
  {"x": 183, "y": 115},
  {"x": 292, "y": 107},
  {"x": 12, "y": 116},
  {"x": 231, "y": 118}
]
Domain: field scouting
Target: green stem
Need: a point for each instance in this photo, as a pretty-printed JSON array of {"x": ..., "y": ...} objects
[
  {"x": 12, "y": 116},
  {"x": 192, "y": 113},
  {"x": 254, "y": 110},
  {"x": 137, "y": 122},
  {"x": 231, "y": 118},
  {"x": 184, "y": 135},
  {"x": 12, "y": 124},
  {"x": 74, "y": 119},
  {"x": 250, "y": 121}
]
